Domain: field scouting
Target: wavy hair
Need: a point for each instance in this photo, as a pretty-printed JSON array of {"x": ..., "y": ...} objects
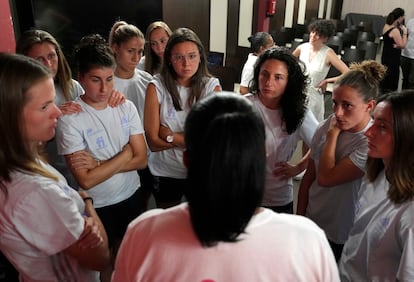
[
  {"x": 225, "y": 140},
  {"x": 324, "y": 28},
  {"x": 91, "y": 52},
  {"x": 294, "y": 99}
]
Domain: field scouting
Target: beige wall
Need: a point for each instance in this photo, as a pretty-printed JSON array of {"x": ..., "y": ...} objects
[{"x": 377, "y": 7}]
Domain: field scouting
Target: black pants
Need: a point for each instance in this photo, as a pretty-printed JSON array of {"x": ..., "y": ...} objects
[
  {"x": 283, "y": 209},
  {"x": 407, "y": 67},
  {"x": 7, "y": 271},
  {"x": 336, "y": 249}
]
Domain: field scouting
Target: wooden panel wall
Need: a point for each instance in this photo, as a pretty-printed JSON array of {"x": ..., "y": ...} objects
[{"x": 191, "y": 14}]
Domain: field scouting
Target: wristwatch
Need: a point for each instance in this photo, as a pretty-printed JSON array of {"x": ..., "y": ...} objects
[{"x": 170, "y": 138}]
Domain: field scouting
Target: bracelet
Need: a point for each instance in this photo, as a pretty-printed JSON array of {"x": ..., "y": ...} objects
[
  {"x": 98, "y": 162},
  {"x": 88, "y": 198}
]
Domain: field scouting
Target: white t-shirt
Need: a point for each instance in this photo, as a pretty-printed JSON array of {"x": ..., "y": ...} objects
[
  {"x": 333, "y": 208},
  {"x": 248, "y": 69},
  {"x": 56, "y": 160},
  {"x": 39, "y": 219},
  {"x": 135, "y": 89},
  {"x": 169, "y": 163},
  {"x": 408, "y": 51},
  {"x": 75, "y": 92},
  {"x": 380, "y": 244},
  {"x": 160, "y": 245},
  {"x": 141, "y": 64},
  {"x": 280, "y": 147},
  {"x": 103, "y": 133}
]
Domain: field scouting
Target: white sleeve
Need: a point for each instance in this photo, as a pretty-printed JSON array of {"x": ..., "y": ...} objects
[
  {"x": 49, "y": 219},
  {"x": 308, "y": 128}
]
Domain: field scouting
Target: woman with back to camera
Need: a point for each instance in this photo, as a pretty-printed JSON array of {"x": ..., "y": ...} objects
[
  {"x": 49, "y": 231},
  {"x": 156, "y": 38},
  {"x": 329, "y": 189},
  {"x": 279, "y": 94},
  {"x": 394, "y": 34},
  {"x": 222, "y": 233},
  {"x": 380, "y": 244},
  {"x": 318, "y": 58},
  {"x": 127, "y": 44},
  {"x": 112, "y": 137},
  {"x": 184, "y": 80},
  {"x": 259, "y": 42}
]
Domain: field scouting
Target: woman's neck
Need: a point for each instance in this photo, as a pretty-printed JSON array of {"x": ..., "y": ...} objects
[
  {"x": 270, "y": 103},
  {"x": 123, "y": 74},
  {"x": 185, "y": 82},
  {"x": 96, "y": 105}
]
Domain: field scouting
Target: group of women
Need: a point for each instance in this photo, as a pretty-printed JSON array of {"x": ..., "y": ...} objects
[
  {"x": 101, "y": 136},
  {"x": 100, "y": 142}
]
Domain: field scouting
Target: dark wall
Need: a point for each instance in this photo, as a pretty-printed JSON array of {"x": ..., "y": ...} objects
[
  {"x": 194, "y": 14},
  {"x": 68, "y": 21}
]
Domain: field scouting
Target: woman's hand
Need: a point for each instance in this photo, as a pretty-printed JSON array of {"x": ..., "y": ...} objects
[
  {"x": 116, "y": 99},
  {"x": 70, "y": 107},
  {"x": 91, "y": 236},
  {"x": 83, "y": 160},
  {"x": 333, "y": 126},
  {"x": 284, "y": 170},
  {"x": 322, "y": 85}
]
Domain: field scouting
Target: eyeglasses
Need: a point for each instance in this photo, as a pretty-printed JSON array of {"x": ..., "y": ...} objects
[{"x": 179, "y": 58}]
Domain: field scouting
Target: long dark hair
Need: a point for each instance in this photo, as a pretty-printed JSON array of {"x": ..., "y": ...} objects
[
  {"x": 400, "y": 170},
  {"x": 199, "y": 79},
  {"x": 225, "y": 140},
  {"x": 294, "y": 99}
]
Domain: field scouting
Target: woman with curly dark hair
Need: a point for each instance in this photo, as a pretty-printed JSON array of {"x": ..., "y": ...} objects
[
  {"x": 318, "y": 58},
  {"x": 279, "y": 93}
]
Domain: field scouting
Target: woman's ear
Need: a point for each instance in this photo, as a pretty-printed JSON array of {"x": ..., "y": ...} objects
[{"x": 371, "y": 105}]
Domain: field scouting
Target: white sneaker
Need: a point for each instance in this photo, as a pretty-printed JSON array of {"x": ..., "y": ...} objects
[{"x": 299, "y": 176}]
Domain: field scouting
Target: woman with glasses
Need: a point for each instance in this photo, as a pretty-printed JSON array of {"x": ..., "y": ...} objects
[{"x": 184, "y": 79}]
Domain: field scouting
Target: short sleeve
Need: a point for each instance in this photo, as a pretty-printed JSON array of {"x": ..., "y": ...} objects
[
  {"x": 68, "y": 138},
  {"x": 49, "y": 219}
]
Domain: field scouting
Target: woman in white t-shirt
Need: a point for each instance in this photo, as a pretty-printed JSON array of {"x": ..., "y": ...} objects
[
  {"x": 48, "y": 231},
  {"x": 279, "y": 94},
  {"x": 222, "y": 233},
  {"x": 380, "y": 244},
  {"x": 259, "y": 42},
  {"x": 127, "y": 44},
  {"x": 184, "y": 79},
  {"x": 112, "y": 137},
  {"x": 329, "y": 189}
]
